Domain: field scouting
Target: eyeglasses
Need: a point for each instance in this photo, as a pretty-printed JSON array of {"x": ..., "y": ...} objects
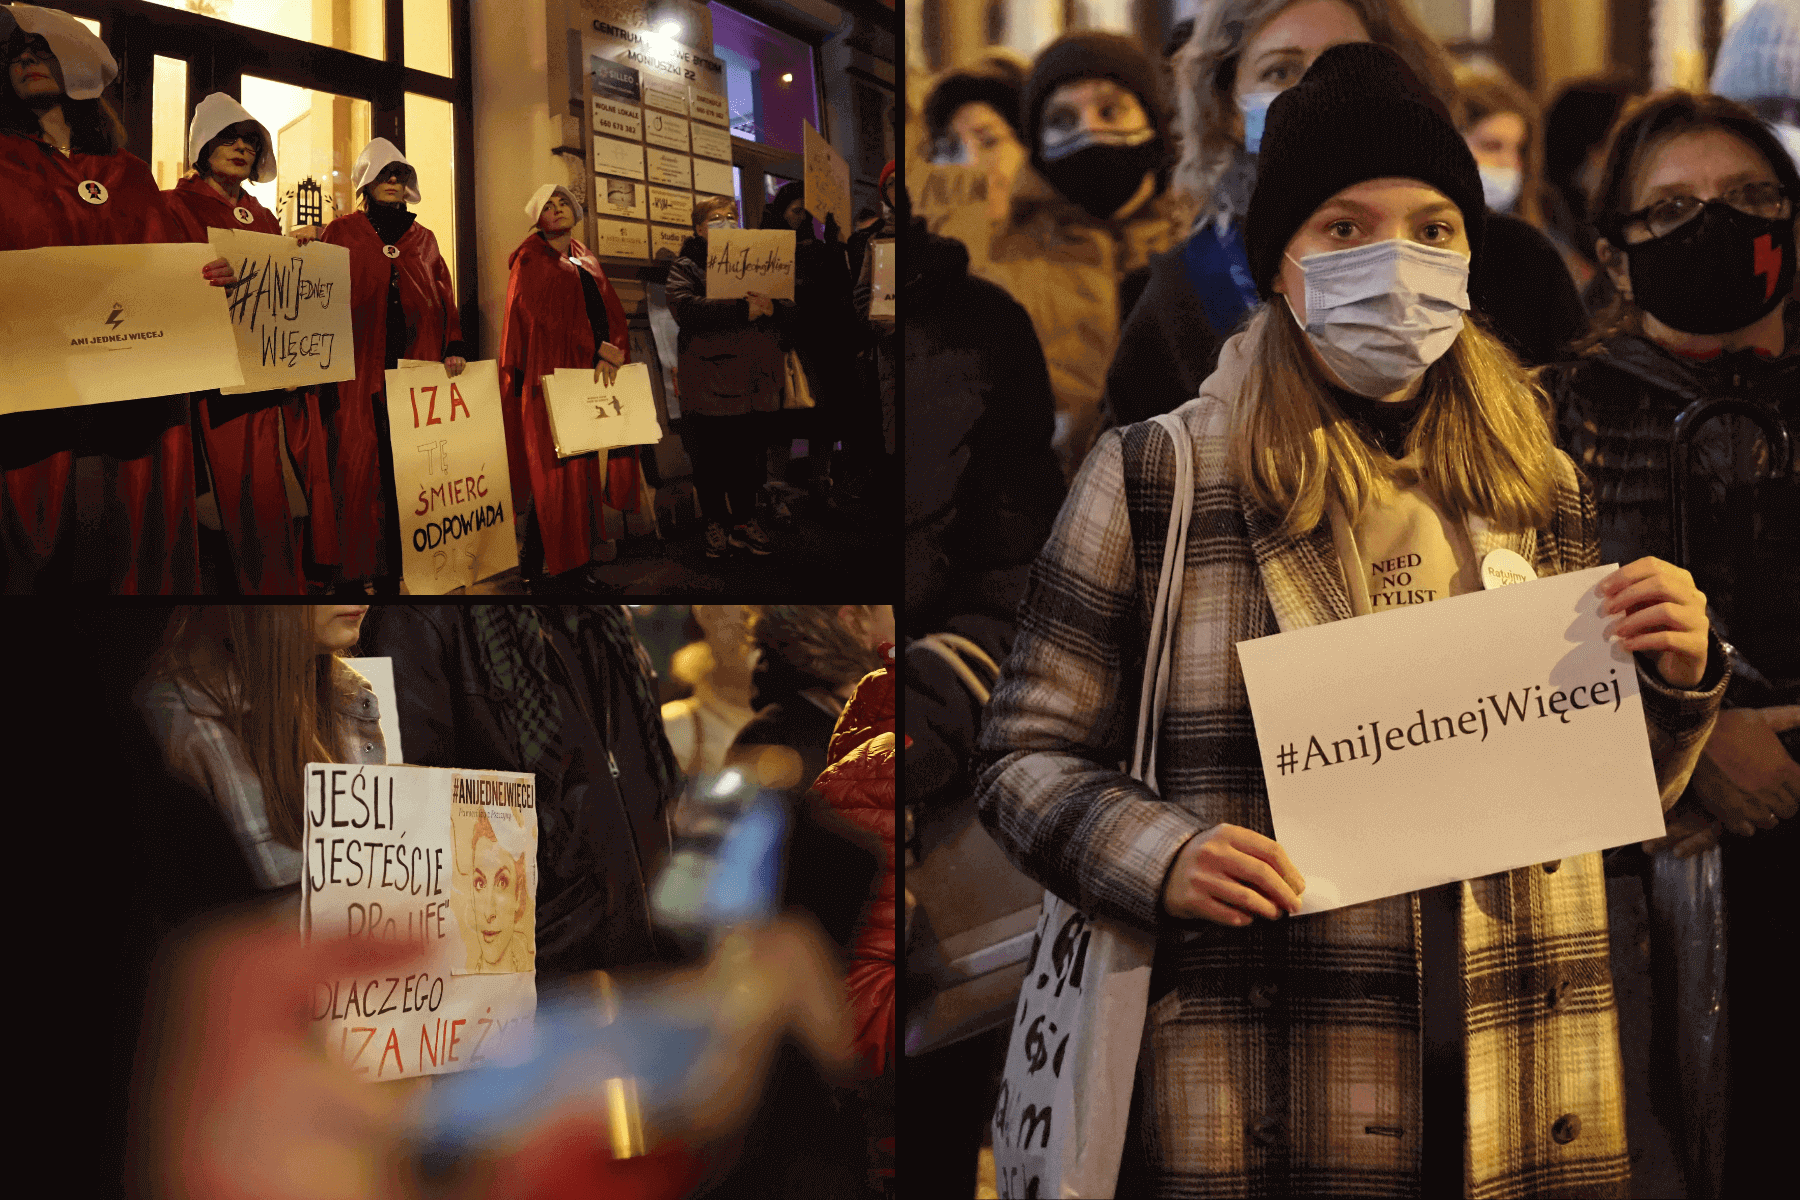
[
  {"x": 38, "y": 51},
  {"x": 1765, "y": 200}
]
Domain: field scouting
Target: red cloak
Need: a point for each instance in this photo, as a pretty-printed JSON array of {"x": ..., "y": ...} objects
[
  {"x": 147, "y": 507},
  {"x": 547, "y": 328},
  {"x": 432, "y": 322},
  {"x": 244, "y": 446}
]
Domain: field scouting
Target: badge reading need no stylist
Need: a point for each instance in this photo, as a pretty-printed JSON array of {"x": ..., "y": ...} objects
[{"x": 1451, "y": 740}]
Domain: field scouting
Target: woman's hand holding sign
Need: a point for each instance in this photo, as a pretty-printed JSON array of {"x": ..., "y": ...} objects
[
  {"x": 219, "y": 273},
  {"x": 1228, "y": 873},
  {"x": 1664, "y": 614}
]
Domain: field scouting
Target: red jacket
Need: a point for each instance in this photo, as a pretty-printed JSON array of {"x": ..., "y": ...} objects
[
  {"x": 429, "y": 301},
  {"x": 243, "y": 436},
  {"x": 546, "y": 329},
  {"x": 858, "y": 782},
  {"x": 148, "y": 504}
]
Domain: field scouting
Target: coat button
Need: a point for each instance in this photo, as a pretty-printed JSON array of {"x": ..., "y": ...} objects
[
  {"x": 1266, "y": 1131},
  {"x": 368, "y": 745},
  {"x": 1550, "y": 867},
  {"x": 1262, "y": 995},
  {"x": 1566, "y": 1129},
  {"x": 1556, "y": 993}
]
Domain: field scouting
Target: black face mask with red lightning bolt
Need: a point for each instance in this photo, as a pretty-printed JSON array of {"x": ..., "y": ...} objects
[{"x": 1718, "y": 272}]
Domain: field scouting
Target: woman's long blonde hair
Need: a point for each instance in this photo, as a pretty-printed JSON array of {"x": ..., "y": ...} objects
[
  {"x": 279, "y": 694},
  {"x": 1483, "y": 433}
]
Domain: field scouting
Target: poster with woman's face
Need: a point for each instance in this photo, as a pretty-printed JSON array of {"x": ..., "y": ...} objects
[{"x": 494, "y": 886}]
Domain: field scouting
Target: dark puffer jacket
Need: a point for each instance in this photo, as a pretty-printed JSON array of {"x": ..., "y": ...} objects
[
  {"x": 1616, "y": 411},
  {"x": 728, "y": 363},
  {"x": 858, "y": 783},
  {"x": 601, "y": 839}
]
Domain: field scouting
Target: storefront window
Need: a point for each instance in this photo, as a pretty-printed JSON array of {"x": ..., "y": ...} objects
[
  {"x": 430, "y": 141},
  {"x": 168, "y": 121},
  {"x": 769, "y": 80},
  {"x": 317, "y": 136},
  {"x": 354, "y": 25},
  {"x": 428, "y": 35}
]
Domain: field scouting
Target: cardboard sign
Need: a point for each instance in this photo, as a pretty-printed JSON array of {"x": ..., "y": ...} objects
[
  {"x": 710, "y": 141},
  {"x": 618, "y": 118},
  {"x": 290, "y": 310},
  {"x": 452, "y": 487},
  {"x": 443, "y": 858},
  {"x": 713, "y": 178},
  {"x": 380, "y": 674},
  {"x": 613, "y": 157},
  {"x": 666, "y": 130},
  {"x": 587, "y": 416},
  {"x": 741, "y": 261},
  {"x": 621, "y": 239},
  {"x": 668, "y": 168},
  {"x": 1451, "y": 740},
  {"x": 827, "y": 181},
  {"x": 94, "y": 324},
  {"x": 618, "y": 198},
  {"x": 881, "y": 278}
]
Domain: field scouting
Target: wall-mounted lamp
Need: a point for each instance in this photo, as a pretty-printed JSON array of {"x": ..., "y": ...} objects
[
  {"x": 788, "y": 78},
  {"x": 670, "y": 29}
]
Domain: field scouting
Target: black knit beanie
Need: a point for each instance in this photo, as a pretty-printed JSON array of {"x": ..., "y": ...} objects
[
  {"x": 972, "y": 87},
  {"x": 1090, "y": 55},
  {"x": 1359, "y": 113}
]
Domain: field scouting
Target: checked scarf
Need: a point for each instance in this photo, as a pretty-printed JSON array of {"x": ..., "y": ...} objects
[{"x": 516, "y": 650}]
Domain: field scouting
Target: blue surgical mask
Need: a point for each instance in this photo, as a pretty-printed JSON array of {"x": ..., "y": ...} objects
[
  {"x": 1500, "y": 187},
  {"x": 1380, "y": 314},
  {"x": 1255, "y": 108}
]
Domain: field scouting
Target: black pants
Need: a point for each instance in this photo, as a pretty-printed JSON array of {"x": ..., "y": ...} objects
[
  {"x": 951, "y": 1096},
  {"x": 730, "y": 459}
]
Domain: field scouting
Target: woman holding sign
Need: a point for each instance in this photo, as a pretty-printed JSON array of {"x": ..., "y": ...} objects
[
  {"x": 561, "y": 312},
  {"x": 1358, "y": 418},
  {"x": 242, "y": 435},
  {"x": 66, "y": 180},
  {"x": 403, "y": 306}
]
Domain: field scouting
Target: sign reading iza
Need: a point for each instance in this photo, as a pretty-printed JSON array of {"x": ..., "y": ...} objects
[
  {"x": 1498, "y": 729},
  {"x": 289, "y": 330}
]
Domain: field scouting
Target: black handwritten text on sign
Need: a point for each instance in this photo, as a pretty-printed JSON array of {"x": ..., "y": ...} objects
[
  {"x": 372, "y": 854},
  {"x": 269, "y": 297},
  {"x": 739, "y": 263}
]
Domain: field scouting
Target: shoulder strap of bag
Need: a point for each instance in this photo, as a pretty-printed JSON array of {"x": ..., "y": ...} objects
[
  {"x": 1166, "y": 611},
  {"x": 954, "y": 649}
]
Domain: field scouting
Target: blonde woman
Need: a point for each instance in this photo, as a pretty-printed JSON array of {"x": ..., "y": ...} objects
[
  {"x": 492, "y": 891},
  {"x": 242, "y": 697},
  {"x": 1359, "y": 415}
]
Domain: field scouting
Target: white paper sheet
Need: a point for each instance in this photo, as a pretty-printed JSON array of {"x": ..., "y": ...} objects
[
  {"x": 586, "y": 416},
  {"x": 1414, "y": 747},
  {"x": 290, "y": 310}
]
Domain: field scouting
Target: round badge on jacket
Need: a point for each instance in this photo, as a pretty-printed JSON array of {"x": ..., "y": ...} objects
[
  {"x": 1501, "y": 567},
  {"x": 391, "y": 251},
  {"x": 243, "y": 215},
  {"x": 92, "y": 190}
]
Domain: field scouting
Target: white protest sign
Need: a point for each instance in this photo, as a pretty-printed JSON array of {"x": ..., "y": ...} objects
[
  {"x": 380, "y": 674},
  {"x": 881, "y": 277},
  {"x": 827, "y": 180},
  {"x": 452, "y": 487},
  {"x": 445, "y": 858},
  {"x": 585, "y": 415},
  {"x": 290, "y": 310},
  {"x": 1451, "y": 740},
  {"x": 741, "y": 261},
  {"x": 94, "y": 324}
]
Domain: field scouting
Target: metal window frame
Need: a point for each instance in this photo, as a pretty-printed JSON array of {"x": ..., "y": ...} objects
[{"x": 219, "y": 54}]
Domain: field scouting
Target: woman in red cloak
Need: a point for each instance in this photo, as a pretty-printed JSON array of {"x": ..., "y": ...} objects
[
  {"x": 242, "y": 435},
  {"x": 57, "y": 136},
  {"x": 561, "y": 312},
  {"x": 402, "y": 305}
]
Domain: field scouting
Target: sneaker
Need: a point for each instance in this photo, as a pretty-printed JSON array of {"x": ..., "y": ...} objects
[
  {"x": 716, "y": 541},
  {"x": 750, "y": 537}
]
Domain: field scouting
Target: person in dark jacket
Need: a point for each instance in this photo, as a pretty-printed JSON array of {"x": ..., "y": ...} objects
[
  {"x": 730, "y": 377},
  {"x": 563, "y": 692},
  {"x": 1243, "y": 53},
  {"x": 983, "y": 484},
  {"x": 1695, "y": 211},
  {"x": 825, "y": 334}
]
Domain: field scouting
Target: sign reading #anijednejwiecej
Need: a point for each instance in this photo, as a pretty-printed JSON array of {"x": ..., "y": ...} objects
[{"x": 1451, "y": 740}]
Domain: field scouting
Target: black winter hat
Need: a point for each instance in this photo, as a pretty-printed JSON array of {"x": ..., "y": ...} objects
[
  {"x": 971, "y": 87},
  {"x": 1359, "y": 113},
  {"x": 1090, "y": 54}
]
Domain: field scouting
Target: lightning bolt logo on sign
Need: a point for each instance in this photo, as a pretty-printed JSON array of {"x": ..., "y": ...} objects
[
  {"x": 1767, "y": 263},
  {"x": 113, "y": 318}
]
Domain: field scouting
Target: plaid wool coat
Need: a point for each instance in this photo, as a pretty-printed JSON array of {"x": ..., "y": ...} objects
[{"x": 1285, "y": 1059}]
